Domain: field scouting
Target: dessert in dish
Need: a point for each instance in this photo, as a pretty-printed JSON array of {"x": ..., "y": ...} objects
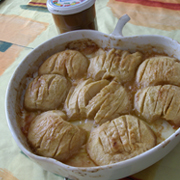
[
  {"x": 118, "y": 64},
  {"x": 113, "y": 100},
  {"x": 120, "y": 139},
  {"x": 159, "y": 102},
  {"x": 156, "y": 70},
  {"x": 51, "y": 136},
  {"x": 99, "y": 100},
  {"x": 69, "y": 63},
  {"x": 105, "y": 105},
  {"x": 46, "y": 92}
]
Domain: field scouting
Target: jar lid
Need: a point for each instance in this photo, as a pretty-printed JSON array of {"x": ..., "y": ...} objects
[{"x": 67, "y": 7}]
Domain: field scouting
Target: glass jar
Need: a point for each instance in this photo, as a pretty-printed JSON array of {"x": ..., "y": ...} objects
[{"x": 72, "y": 15}]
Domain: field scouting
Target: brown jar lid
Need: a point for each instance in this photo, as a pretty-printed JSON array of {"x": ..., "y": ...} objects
[{"x": 67, "y": 7}]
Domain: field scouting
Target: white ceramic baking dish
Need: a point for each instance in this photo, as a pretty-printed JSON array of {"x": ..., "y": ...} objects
[{"x": 116, "y": 40}]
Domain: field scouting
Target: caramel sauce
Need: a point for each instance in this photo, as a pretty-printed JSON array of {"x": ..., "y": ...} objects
[
  {"x": 28, "y": 117},
  {"x": 82, "y": 20}
]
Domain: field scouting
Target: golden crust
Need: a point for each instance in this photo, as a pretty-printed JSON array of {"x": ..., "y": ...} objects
[
  {"x": 51, "y": 136},
  {"x": 120, "y": 139},
  {"x": 159, "y": 102},
  {"x": 117, "y": 64},
  {"x": 158, "y": 70},
  {"x": 99, "y": 100},
  {"x": 46, "y": 92},
  {"x": 69, "y": 63}
]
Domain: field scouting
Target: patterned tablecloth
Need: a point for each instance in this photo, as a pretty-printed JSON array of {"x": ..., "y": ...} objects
[{"x": 24, "y": 25}]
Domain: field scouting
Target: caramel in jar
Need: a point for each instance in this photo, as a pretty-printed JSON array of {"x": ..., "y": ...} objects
[{"x": 69, "y": 17}]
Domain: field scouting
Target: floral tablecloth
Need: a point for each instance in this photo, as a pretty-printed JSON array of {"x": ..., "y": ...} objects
[{"x": 26, "y": 24}]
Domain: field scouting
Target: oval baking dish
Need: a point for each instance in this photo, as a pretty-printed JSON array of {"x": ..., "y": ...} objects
[{"x": 118, "y": 170}]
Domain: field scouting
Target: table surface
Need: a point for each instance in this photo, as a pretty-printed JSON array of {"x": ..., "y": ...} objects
[{"x": 24, "y": 25}]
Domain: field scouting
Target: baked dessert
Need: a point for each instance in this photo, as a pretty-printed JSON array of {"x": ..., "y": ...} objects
[
  {"x": 113, "y": 100},
  {"x": 116, "y": 64},
  {"x": 78, "y": 97},
  {"x": 46, "y": 92},
  {"x": 159, "y": 70},
  {"x": 159, "y": 102},
  {"x": 103, "y": 105},
  {"x": 100, "y": 100},
  {"x": 69, "y": 63},
  {"x": 71, "y": 103},
  {"x": 120, "y": 139},
  {"x": 96, "y": 69},
  {"x": 88, "y": 92},
  {"x": 51, "y": 136}
]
